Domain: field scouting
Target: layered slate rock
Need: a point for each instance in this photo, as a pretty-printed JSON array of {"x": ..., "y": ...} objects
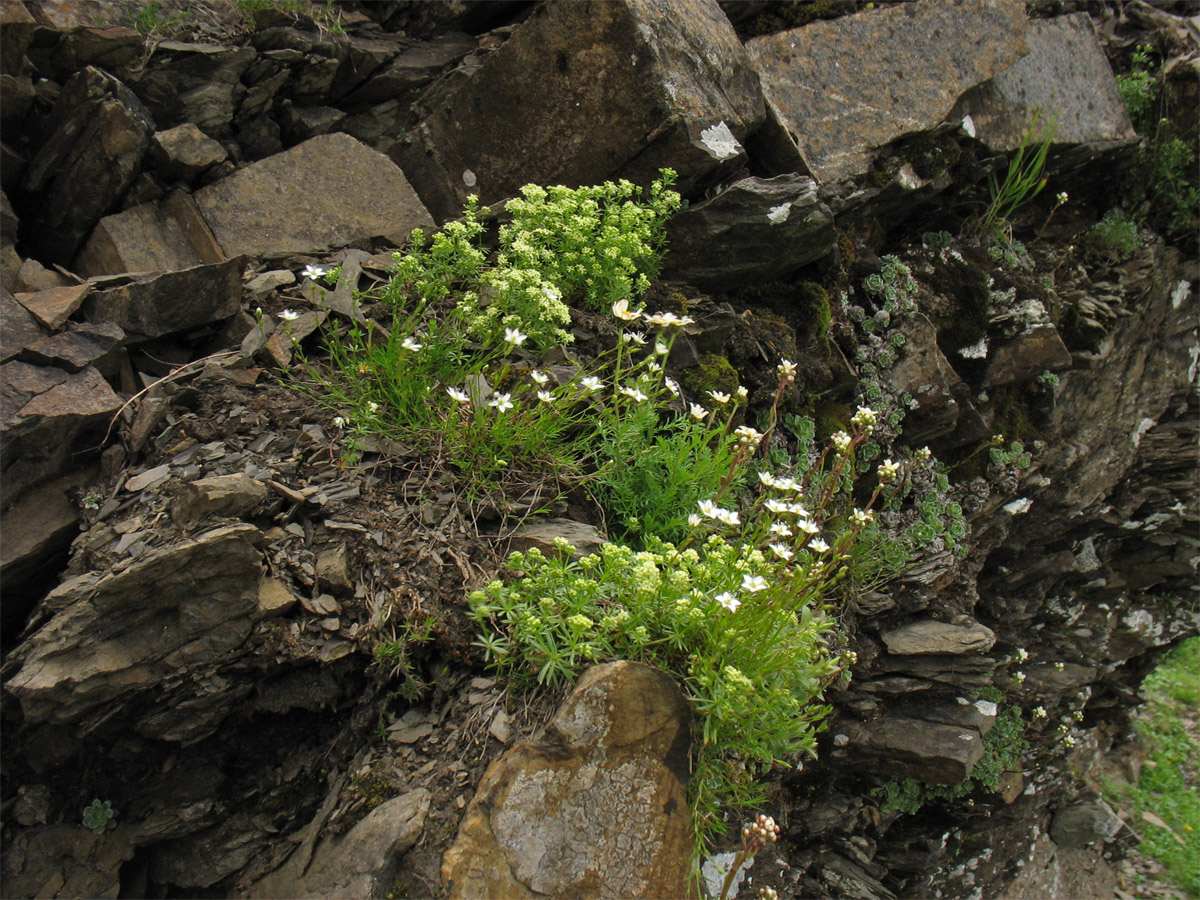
[
  {"x": 101, "y": 134},
  {"x": 587, "y": 91},
  {"x": 595, "y": 808},
  {"x": 930, "y": 636},
  {"x": 160, "y": 236},
  {"x": 328, "y": 192},
  {"x": 757, "y": 228},
  {"x": 911, "y": 748},
  {"x": 164, "y": 624},
  {"x": 173, "y": 302},
  {"x": 1065, "y": 75},
  {"x": 840, "y": 89}
]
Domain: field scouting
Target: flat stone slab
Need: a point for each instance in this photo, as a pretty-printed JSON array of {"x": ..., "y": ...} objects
[
  {"x": 328, "y": 192},
  {"x": 583, "y": 92},
  {"x": 930, "y": 636},
  {"x": 844, "y": 87},
  {"x": 1066, "y": 73},
  {"x": 161, "y": 236},
  {"x": 912, "y": 748}
]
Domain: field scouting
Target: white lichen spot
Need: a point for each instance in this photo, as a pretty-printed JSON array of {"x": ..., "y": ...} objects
[
  {"x": 719, "y": 141},
  {"x": 469, "y": 178},
  {"x": 715, "y": 869},
  {"x": 1140, "y": 621},
  {"x": 908, "y": 178},
  {"x": 968, "y": 126},
  {"x": 1018, "y": 506},
  {"x": 1180, "y": 294},
  {"x": 978, "y": 350},
  {"x": 1086, "y": 558},
  {"x": 1142, "y": 427},
  {"x": 778, "y": 214},
  {"x": 966, "y": 737},
  {"x": 986, "y": 708},
  {"x": 1194, "y": 352},
  {"x": 841, "y": 740}
]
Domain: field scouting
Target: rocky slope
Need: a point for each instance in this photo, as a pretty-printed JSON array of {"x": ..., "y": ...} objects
[{"x": 196, "y": 585}]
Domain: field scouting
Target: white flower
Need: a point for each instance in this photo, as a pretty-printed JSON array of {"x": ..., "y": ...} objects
[
  {"x": 339, "y": 422},
  {"x": 1039, "y": 712},
  {"x": 788, "y": 484},
  {"x": 781, "y": 551},
  {"x": 787, "y": 370},
  {"x": 672, "y": 386},
  {"x": 501, "y": 402},
  {"x": 1061, "y": 198},
  {"x": 698, "y": 412},
  {"x": 668, "y": 320},
  {"x": 636, "y": 336},
  {"x": 778, "y": 506},
  {"x": 591, "y": 384},
  {"x": 411, "y": 343},
  {"x": 841, "y": 441},
  {"x": 289, "y": 315},
  {"x": 781, "y": 529},
  {"x": 748, "y": 436},
  {"x": 729, "y": 601},
  {"x": 888, "y": 470},
  {"x": 767, "y": 479},
  {"x": 1022, "y": 654},
  {"x": 621, "y": 311},
  {"x": 653, "y": 366},
  {"x": 661, "y": 349},
  {"x": 862, "y": 517},
  {"x": 741, "y": 392},
  {"x": 807, "y": 526},
  {"x": 719, "y": 397},
  {"x": 545, "y": 396},
  {"x": 315, "y": 272},
  {"x": 456, "y": 394},
  {"x": 514, "y": 337},
  {"x": 864, "y": 418},
  {"x": 539, "y": 377},
  {"x": 372, "y": 407},
  {"x": 754, "y": 583},
  {"x": 634, "y": 394},
  {"x": 694, "y": 521},
  {"x": 712, "y": 511},
  {"x": 818, "y": 545},
  {"x": 1019, "y": 677}
]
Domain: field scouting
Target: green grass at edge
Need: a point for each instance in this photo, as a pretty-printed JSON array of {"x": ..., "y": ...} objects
[{"x": 1169, "y": 786}]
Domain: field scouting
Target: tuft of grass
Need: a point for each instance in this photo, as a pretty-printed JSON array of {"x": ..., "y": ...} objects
[{"x": 1169, "y": 787}]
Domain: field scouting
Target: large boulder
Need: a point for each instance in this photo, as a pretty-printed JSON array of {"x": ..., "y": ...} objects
[
  {"x": 840, "y": 89},
  {"x": 595, "y": 808},
  {"x": 585, "y": 91}
]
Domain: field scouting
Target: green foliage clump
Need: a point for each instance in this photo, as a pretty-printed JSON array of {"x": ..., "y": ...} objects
[
  {"x": 1023, "y": 180},
  {"x": 1004, "y": 747},
  {"x": 816, "y": 304},
  {"x": 596, "y": 245},
  {"x": 1139, "y": 87},
  {"x": 99, "y": 816},
  {"x": 1115, "y": 236},
  {"x": 1169, "y": 787}
]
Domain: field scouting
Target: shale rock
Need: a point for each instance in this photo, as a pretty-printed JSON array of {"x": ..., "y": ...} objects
[
  {"x": 159, "y": 236},
  {"x": 184, "y": 153},
  {"x": 18, "y": 327},
  {"x": 54, "y": 306},
  {"x": 910, "y": 748},
  {"x": 196, "y": 83},
  {"x": 931, "y": 636},
  {"x": 1084, "y": 823},
  {"x": 102, "y": 132},
  {"x": 755, "y": 229},
  {"x": 325, "y": 193},
  {"x": 590, "y": 91},
  {"x": 595, "y": 808},
  {"x": 157, "y": 305},
  {"x": 158, "y": 627},
  {"x": 218, "y": 495},
  {"x": 1065, "y": 74},
  {"x": 47, "y": 416},
  {"x": 842, "y": 88}
]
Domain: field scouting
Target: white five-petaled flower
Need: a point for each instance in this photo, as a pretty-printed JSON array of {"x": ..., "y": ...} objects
[
  {"x": 513, "y": 336},
  {"x": 539, "y": 377},
  {"x": 698, "y": 412},
  {"x": 748, "y": 436},
  {"x": 864, "y": 418},
  {"x": 545, "y": 396},
  {"x": 636, "y": 336},
  {"x": 372, "y": 407},
  {"x": 672, "y": 386},
  {"x": 888, "y": 470},
  {"x": 719, "y": 397},
  {"x": 783, "y": 552},
  {"x": 634, "y": 394},
  {"x": 781, "y": 529},
  {"x": 787, "y": 370},
  {"x": 501, "y": 402},
  {"x": 339, "y": 422},
  {"x": 459, "y": 396},
  {"x": 694, "y": 520},
  {"x": 591, "y": 384},
  {"x": 660, "y": 349},
  {"x": 808, "y": 526},
  {"x": 754, "y": 583},
  {"x": 818, "y": 545},
  {"x": 841, "y": 441},
  {"x": 289, "y": 315},
  {"x": 411, "y": 343},
  {"x": 862, "y": 517},
  {"x": 668, "y": 320},
  {"x": 1039, "y": 712},
  {"x": 710, "y": 509},
  {"x": 729, "y": 601},
  {"x": 742, "y": 392},
  {"x": 622, "y": 311},
  {"x": 315, "y": 272}
]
